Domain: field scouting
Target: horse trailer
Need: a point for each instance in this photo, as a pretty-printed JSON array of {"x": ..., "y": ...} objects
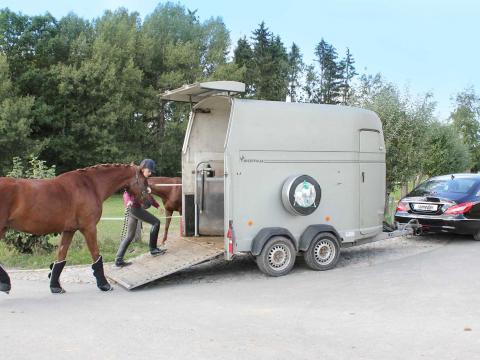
[{"x": 276, "y": 180}]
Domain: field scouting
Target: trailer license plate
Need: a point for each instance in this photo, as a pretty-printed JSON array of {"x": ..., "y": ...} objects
[{"x": 425, "y": 207}]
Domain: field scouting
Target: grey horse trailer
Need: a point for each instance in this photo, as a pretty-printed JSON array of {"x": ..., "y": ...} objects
[
  {"x": 274, "y": 180},
  {"x": 277, "y": 180}
]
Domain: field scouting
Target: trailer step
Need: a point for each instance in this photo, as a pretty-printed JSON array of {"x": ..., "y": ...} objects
[{"x": 182, "y": 253}]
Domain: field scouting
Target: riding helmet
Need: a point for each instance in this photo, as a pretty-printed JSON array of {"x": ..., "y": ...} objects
[{"x": 149, "y": 164}]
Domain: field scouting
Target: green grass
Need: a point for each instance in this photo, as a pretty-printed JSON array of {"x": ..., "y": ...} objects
[{"x": 109, "y": 232}]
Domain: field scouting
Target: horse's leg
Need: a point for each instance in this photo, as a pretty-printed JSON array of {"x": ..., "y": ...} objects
[
  {"x": 57, "y": 266},
  {"x": 168, "y": 219},
  {"x": 97, "y": 266},
  {"x": 5, "y": 284}
]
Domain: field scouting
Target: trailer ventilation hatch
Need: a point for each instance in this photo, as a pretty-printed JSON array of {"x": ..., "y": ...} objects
[{"x": 196, "y": 92}]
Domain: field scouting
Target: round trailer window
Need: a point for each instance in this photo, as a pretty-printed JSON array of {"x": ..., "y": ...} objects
[{"x": 301, "y": 194}]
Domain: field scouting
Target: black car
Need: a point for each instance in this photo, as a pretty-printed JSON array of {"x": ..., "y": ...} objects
[{"x": 448, "y": 203}]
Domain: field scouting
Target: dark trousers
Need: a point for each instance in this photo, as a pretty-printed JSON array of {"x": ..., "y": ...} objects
[{"x": 139, "y": 214}]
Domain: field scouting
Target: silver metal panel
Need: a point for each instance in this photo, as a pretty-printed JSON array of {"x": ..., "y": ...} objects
[{"x": 210, "y": 204}]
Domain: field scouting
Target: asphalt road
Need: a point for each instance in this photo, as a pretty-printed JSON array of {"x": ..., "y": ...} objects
[{"x": 424, "y": 305}]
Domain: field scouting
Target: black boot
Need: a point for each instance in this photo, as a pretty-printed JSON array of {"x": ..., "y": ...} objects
[
  {"x": 56, "y": 269},
  {"x": 119, "y": 262},
  {"x": 102, "y": 282},
  {"x": 154, "y": 250},
  {"x": 5, "y": 284}
]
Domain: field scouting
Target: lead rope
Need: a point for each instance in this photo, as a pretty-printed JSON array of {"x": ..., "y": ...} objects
[{"x": 125, "y": 222}]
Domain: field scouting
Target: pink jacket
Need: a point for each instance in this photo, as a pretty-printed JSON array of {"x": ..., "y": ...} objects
[{"x": 136, "y": 204}]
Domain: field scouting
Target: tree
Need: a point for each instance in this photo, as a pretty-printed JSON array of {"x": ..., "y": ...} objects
[
  {"x": 295, "y": 70},
  {"x": 269, "y": 66},
  {"x": 445, "y": 152},
  {"x": 15, "y": 120},
  {"x": 310, "y": 87},
  {"x": 347, "y": 70},
  {"x": 330, "y": 73},
  {"x": 103, "y": 98},
  {"x": 243, "y": 58},
  {"x": 466, "y": 120}
]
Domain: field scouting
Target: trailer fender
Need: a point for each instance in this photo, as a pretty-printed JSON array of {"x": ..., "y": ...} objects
[
  {"x": 312, "y": 231},
  {"x": 266, "y": 234}
]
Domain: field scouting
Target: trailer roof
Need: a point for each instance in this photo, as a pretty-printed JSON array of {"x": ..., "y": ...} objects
[{"x": 196, "y": 92}]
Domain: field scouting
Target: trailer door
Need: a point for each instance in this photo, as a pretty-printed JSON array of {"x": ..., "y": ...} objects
[{"x": 372, "y": 181}]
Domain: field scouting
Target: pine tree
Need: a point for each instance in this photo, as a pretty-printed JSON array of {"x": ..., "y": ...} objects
[
  {"x": 243, "y": 58},
  {"x": 347, "y": 70},
  {"x": 295, "y": 70},
  {"x": 310, "y": 88},
  {"x": 261, "y": 60},
  {"x": 330, "y": 73},
  {"x": 270, "y": 66},
  {"x": 278, "y": 80}
]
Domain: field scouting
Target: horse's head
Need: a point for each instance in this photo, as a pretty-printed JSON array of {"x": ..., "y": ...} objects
[{"x": 138, "y": 185}]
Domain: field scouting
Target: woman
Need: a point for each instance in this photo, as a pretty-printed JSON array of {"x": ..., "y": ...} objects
[{"x": 137, "y": 212}]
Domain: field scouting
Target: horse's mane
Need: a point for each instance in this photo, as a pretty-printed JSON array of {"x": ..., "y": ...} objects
[{"x": 103, "y": 166}]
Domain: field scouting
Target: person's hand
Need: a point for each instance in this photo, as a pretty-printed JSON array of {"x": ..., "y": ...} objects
[
  {"x": 129, "y": 203},
  {"x": 149, "y": 190}
]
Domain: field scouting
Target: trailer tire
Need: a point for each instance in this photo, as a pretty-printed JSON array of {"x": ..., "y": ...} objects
[
  {"x": 277, "y": 256},
  {"x": 323, "y": 252}
]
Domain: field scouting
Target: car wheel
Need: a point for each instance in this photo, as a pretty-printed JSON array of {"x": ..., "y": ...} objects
[
  {"x": 323, "y": 252},
  {"x": 476, "y": 236},
  {"x": 277, "y": 257}
]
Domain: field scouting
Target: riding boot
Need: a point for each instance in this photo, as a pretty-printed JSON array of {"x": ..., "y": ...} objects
[
  {"x": 56, "y": 269},
  {"x": 102, "y": 282},
  {"x": 5, "y": 284},
  {"x": 154, "y": 250}
]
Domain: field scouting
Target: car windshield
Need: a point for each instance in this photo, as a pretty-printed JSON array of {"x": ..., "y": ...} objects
[{"x": 456, "y": 185}]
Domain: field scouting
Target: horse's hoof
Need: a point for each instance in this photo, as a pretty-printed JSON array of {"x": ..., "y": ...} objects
[
  {"x": 106, "y": 287},
  {"x": 57, "y": 290},
  {"x": 5, "y": 288}
]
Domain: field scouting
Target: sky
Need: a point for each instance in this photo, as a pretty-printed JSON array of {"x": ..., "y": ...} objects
[{"x": 420, "y": 45}]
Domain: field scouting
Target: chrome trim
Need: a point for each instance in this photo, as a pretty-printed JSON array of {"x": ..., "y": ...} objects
[{"x": 430, "y": 217}]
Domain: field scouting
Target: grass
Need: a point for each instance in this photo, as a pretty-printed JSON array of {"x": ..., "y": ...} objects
[{"x": 108, "y": 236}]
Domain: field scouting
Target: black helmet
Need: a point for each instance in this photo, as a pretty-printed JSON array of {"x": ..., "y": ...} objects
[{"x": 148, "y": 164}]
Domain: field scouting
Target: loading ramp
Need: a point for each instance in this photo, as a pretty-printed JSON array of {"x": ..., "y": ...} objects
[{"x": 182, "y": 253}]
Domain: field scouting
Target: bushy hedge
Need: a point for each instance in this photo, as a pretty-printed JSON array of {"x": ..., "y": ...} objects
[{"x": 23, "y": 242}]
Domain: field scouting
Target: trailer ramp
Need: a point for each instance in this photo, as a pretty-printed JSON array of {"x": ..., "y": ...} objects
[{"x": 182, "y": 253}]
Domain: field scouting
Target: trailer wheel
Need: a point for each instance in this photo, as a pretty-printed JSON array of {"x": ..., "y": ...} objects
[
  {"x": 323, "y": 252},
  {"x": 277, "y": 257}
]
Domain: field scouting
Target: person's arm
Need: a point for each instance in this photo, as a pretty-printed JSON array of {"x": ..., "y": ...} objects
[
  {"x": 127, "y": 199},
  {"x": 153, "y": 201}
]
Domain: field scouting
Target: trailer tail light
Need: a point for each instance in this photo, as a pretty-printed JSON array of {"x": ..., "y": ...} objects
[
  {"x": 459, "y": 209},
  {"x": 230, "y": 237},
  {"x": 402, "y": 207}
]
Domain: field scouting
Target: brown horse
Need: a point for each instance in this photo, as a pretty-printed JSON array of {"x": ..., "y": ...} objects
[
  {"x": 65, "y": 204},
  {"x": 171, "y": 195}
]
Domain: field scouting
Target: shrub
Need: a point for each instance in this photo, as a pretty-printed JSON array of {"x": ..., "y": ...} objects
[{"x": 23, "y": 242}]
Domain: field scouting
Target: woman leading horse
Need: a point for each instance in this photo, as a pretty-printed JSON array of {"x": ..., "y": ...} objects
[
  {"x": 65, "y": 204},
  {"x": 138, "y": 213}
]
